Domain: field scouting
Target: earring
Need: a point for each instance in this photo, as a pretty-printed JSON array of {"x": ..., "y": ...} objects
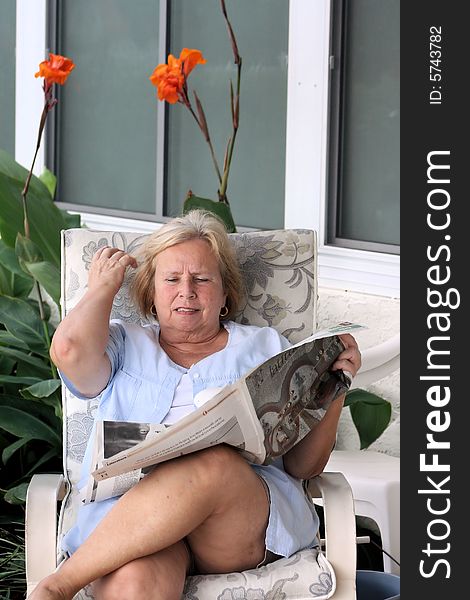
[
  {"x": 153, "y": 310},
  {"x": 223, "y": 313}
]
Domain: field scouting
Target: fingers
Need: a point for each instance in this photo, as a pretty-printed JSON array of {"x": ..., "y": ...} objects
[
  {"x": 348, "y": 340},
  {"x": 350, "y": 359},
  {"x": 114, "y": 256},
  {"x": 108, "y": 268}
]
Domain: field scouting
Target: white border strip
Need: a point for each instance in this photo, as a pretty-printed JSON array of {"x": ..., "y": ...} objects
[
  {"x": 306, "y": 112},
  {"x": 29, "y": 100}
]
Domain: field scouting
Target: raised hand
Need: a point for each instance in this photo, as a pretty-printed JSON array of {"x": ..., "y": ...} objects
[{"x": 108, "y": 267}]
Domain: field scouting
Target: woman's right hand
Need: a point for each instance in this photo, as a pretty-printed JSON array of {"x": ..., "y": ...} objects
[{"x": 107, "y": 269}]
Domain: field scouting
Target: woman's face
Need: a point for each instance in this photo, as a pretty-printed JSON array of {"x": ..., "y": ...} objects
[{"x": 189, "y": 293}]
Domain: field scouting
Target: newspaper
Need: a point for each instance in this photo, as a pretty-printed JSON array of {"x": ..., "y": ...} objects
[{"x": 263, "y": 415}]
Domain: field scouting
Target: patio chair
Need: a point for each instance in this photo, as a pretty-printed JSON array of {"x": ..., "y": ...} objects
[
  {"x": 374, "y": 477},
  {"x": 280, "y": 272}
]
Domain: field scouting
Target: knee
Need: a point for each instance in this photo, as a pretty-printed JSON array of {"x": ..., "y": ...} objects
[
  {"x": 126, "y": 582},
  {"x": 218, "y": 463}
]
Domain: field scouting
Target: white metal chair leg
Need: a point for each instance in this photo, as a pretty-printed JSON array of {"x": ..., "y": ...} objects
[{"x": 44, "y": 492}]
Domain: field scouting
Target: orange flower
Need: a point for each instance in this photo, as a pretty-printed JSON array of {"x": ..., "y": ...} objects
[
  {"x": 170, "y": 79},
  {"x": 191, "y": 58},
  {"x": 56, "y": 69}
]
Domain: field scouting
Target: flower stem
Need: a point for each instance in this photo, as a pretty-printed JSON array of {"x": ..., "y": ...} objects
[
  {"x": 24, "y": 193},
  {"x": 236, "y": 108},
  {"x": 46, "y": 330},
  {"x": 47, "y": 106},
  {"x": 235, "y": 105},
  {"x": 205, "y": 131}
]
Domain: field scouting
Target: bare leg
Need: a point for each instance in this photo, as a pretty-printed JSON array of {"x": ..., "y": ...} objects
[
  {"x": 156, "y": 577},
  {"x": 212, "y": 496}
]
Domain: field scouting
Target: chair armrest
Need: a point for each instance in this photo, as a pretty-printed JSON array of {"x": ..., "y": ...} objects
[
  {"x": 378, "y": 362},
  {"x": 44, "y": 492},
  {"x": 340, "y": 529}
]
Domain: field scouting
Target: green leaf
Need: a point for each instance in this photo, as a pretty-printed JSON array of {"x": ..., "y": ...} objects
[
  {"x": 370, "y": 413},
  {"x": 17, "y": 494},
  {"x": 72, "y": 220},
  {"x": 36, "y": 408},
  {"x": 53, "y": 453},
  {"x": 45, "y": 219},
  {"x": 357, "y": 395},
  {"x": 14, "y": 285},
  {"x": 23, "y": 322},
  {"x": 42, "y": 389},
  {"x": 52, "y": 399},
  {"x": 13, "y": 280},
  {"x": 49, "y": 180},
  {"x": 48, "y": 275},
  {"x": 9, "y": 259},
  {"x": 24, "y": 357},
  {"x": 12, "y": 448},
  {"x": 18, "y": 380},
  {"x": 220, "y": 209},
  {"x": 31, "y": 261},
  {"x": 26, "y": 250},
  {"x": 15, "y": 171},
  {"x": 6, "y": 364},
  {"x": 45, "y": 392},
  {"x": 22, "y": 424},
  {"x": 6, "y": 281},
  {"x": 7, "y": 339},
  {"x": 45, "y": 306}
]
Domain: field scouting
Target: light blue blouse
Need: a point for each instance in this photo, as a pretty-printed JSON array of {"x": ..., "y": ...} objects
[{"x": 141, "y": 388}]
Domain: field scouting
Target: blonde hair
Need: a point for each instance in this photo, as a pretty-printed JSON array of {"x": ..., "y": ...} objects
[{"x": 195, "y": 225}]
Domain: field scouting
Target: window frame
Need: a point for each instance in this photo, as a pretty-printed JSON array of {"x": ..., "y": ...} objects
[
  {"x": 306, "y": 142},
  {"x": 338, "y": 40},
  {"x": 310, "y": 27}
]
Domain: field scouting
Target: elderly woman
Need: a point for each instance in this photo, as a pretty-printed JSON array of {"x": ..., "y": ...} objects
[{"x": 206, "y": 512}]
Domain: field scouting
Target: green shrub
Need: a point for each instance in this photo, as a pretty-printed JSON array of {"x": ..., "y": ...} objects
[{"x": 30, "y": 398}]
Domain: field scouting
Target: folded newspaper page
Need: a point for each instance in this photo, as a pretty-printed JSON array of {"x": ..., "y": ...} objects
[{"x": 263, "y": 415}]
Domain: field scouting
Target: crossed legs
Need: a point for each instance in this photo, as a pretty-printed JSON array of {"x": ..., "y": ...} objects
[{"x": 212, "y": 498}]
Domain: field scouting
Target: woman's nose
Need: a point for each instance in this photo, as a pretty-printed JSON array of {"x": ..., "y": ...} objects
[{"x": 187, "y": 290}]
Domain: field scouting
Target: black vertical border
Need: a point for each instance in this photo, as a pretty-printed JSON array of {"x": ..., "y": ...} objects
[{"x": 426, "y": 128}]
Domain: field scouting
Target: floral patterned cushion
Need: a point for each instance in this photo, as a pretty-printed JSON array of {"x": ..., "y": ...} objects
[
  {"x": 279, "y": 270},
  {"x": 280, "y": 276},
  {"x": 305, "y": 575}
]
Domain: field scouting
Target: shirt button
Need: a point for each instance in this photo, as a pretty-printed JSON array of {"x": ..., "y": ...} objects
[{"x": 196, "y": 375}]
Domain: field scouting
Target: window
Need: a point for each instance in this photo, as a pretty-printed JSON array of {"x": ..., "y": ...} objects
[
  {"x": 281, "y": 193},
  {"x": 364, "y": 173},
  {"x": 7, "y": 75},
  {"x": 119, "y": 151}
]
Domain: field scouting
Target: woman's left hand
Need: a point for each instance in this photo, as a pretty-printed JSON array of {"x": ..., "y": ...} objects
[{"x": 350, "y": 359}]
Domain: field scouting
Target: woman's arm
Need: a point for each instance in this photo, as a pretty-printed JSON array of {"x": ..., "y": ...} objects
[
  {"x": 79, "y": 343},
  {"x": 309, "y": 457}
]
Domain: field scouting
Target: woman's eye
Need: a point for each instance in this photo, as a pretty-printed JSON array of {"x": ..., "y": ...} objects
[
  {"x": 199, "y": 279},
  {"x": 171, "y": 279}
]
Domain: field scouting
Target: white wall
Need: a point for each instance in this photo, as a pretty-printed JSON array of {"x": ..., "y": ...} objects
[{"x": 381, "y": 315}]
